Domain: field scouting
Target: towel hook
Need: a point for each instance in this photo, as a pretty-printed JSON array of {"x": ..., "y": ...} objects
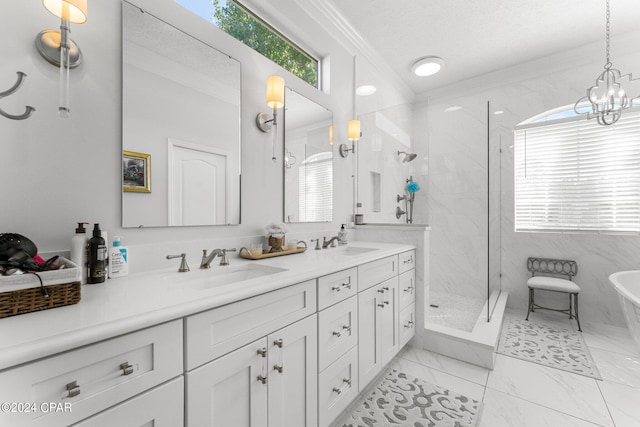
[{"x": 28, "y": 109}]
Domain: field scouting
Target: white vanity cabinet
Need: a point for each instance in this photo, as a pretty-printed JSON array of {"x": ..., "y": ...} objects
[
  {"x": 407, "y": 297},
  {"x": 268, "y": 381},
  {"x": 84, "y": 381}
]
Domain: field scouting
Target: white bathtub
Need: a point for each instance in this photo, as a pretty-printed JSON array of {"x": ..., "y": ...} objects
[{"x": 627, "y": 284}]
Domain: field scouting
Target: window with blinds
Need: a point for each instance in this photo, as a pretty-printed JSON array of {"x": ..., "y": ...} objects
[
  {"x": 315, "y": 189},
  {"x": 574, "y": 175}
]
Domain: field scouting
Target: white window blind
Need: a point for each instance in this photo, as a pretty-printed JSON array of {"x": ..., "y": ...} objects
[
  {"x": 316, "y": 189},
  {"x": 576, "y": 175}
]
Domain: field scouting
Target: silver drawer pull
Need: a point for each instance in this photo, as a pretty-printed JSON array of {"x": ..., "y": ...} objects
[
  {"x": 127, "y": 369},
  {"x": 262, "y": 379},
  {"x": 337, "y": 334},
  {"x": 408, "y": 289},
  {"x": 337, "y": 390},
  {"x": 381, "y": 305},
  {"x": 336, "y": 288},
  {"x": 346, "y": 285},
  {"x": 381, "y": 291},
  {"x": 347, "y": 381},
  {"x": 409, "y": 324},
  {"x": 408, "y": 261},
  {"x": 386, "y": 288},
  {"x": 73, "y": 389},
  {"x": 262, "y": 352},
  {"x": 346, "y": 328},
  {"x": 278, "y": 368},
  {"x": 278, "y": 343},
  {"x": 386, "y": 302}
]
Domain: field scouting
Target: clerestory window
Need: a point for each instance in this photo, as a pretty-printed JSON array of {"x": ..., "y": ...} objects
[{"x": 238, "y": 21}]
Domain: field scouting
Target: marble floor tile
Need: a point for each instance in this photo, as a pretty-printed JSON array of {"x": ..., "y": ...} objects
[
  {"x": 623, "y": 403},
  {"x": 467, "y": 371},
  {"x": 618, "y": 367},
  {"x": 442, "y": 379},
  {"x": 503, "y": 410},
  {"x": 569, "y": 393},
  {"x": 610, "y": 338}
]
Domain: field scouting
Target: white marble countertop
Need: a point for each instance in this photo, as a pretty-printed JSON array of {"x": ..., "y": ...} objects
[{"x": 126, "y": 304}]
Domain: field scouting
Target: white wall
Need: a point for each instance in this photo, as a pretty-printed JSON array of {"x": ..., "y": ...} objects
[
  {"x": 57, "y": 172},
  {"x": 458, "y": 192}
]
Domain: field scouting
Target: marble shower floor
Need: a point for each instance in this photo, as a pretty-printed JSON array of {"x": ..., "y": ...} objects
[
  {"x": 521, "y": 393},
  {"x": 455, "y": 311}
]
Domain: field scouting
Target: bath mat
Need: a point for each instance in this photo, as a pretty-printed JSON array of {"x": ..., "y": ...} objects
[
  {"x": 403, "y": 400},
  {"x": 559, "y": 348}
]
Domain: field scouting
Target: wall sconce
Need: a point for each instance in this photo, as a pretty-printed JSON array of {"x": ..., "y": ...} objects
[
  {"x": 56, "y": 46},
  {"x": 331, "y": 134},
  {"x": 353, "y": 135},
  {"x": 275, "y": 100}
]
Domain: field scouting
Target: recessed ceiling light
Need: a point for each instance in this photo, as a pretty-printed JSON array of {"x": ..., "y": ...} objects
[
  {"x": 498, "y": 112},
  {"x": 427, "y": 66},
  {"x": 366, "y": 90}
]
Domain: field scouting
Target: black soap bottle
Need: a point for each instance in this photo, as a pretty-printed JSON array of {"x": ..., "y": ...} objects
[{"x": 97, "y": 259}]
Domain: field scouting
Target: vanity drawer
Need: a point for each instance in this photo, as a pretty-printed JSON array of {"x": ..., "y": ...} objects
[
  {"x": 219, "y": 331},
  {"x": 337, "y": 287},
  {"x": 160, "y": 407},
  {"x": 407, "y": 293},
  {"x": 337, "y": 387},
  {"x": 337, "y": 331},
  {"x": 378, "y": 271},
  {"x": 407, "y": 324},
  {"x": 92, "y": 378},
  {"x": 407, "y": 261}
]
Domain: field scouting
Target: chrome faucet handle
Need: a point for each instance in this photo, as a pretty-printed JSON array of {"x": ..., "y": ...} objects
[
  {"x": 183, "y": 262},
  {"x": 224, "y": 260},
  {"x": 317, "y": 244}
]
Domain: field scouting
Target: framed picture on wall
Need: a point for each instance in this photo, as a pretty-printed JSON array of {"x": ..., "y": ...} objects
[{"x": 136, "y": 172}]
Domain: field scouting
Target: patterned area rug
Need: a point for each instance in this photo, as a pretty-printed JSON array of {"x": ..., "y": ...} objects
[
  {"x": 403, "y": 400},
  {"x": 549, "y": 346}
]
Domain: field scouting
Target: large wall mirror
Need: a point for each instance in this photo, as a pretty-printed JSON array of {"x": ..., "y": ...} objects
[
  {"x": 180, "y": 125},
  {"x": 308, "y": 160}
]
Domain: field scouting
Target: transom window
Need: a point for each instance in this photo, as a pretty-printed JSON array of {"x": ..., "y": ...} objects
[
  {"x": 238, "y": 21},
  {"x": 572, "y": 174}
]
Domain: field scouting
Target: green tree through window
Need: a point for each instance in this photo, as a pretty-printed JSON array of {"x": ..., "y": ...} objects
[{"x": 238, "y": 22}]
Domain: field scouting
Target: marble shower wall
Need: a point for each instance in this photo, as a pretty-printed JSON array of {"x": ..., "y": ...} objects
[{"x": 458, "y": 190}]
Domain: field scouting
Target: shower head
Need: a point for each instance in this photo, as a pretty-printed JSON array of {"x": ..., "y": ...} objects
[{"x": 407, "y": 156}]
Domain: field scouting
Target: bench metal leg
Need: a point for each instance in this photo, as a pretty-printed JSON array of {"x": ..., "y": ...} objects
[
  {"x": 575, "y": 310},
  {"x": 530, "y": 308}
]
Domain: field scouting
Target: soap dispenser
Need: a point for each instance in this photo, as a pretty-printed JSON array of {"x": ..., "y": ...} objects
[
  {"x": 342, "y": 236},
  {"x": 97, "y": 257}
]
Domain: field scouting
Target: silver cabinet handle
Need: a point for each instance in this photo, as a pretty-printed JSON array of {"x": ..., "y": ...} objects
[
  {"x": 278, "y": 342},
  {"x": 408, "y": 289},
  {"x": 127, "y": 369},
  {"x": 278, "y": 368},
  {"x": 381, "y": 305},
  {"x": 386, "y": 288},
  {"x": 262, "y": 352},
  {"x": 346, "y": 285},
  {"x": 409, "y": 324},
  {"x": 73, "y": 389},
  {"x": 337, "y": 334},
  {"x": 381, "y": 291},
  {"x": 408, "y": 261},
  {"x": 262, "y": 379},
  {"x": 336, "y": 288},
  {"x": 338, "y": 390},
  {"x": 346, "y": 328}
]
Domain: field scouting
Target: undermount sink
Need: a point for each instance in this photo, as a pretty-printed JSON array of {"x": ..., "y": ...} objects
[
  {"x": 355, "y": 250},
  {"x": 220, "y": 276}
]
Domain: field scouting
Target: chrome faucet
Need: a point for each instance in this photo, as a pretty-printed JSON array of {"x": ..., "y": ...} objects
[
  {"x": 326, "y": 243},
  {"x": 183, "y": 262},
  {"x": 222, "y": 253}
]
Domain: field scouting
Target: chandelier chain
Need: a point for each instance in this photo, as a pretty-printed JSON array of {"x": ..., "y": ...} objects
[{"x": 608, "y": 64}]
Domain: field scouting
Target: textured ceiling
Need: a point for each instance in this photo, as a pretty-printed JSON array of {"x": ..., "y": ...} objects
[{"x": 475, "y": 37}]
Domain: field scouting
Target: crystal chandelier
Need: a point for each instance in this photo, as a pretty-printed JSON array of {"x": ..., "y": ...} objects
[{"x": 607, "y": 98}]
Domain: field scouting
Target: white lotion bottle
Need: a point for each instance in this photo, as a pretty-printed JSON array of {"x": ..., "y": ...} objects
[
  {"x": 118, "y": 259},
  {"x": 79, "y": 248}
]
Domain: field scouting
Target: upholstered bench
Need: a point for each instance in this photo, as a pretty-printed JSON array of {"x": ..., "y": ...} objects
[{"x": 553, "y": 267}]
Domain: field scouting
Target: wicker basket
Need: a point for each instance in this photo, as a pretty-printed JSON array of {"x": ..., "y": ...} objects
[
  {"x": 31, "y": 299},
  {"x": 23, "y": 293}
]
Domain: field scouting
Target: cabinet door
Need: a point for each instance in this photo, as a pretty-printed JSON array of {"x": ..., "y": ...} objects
[
  {"x": 370, "y": 307},
  {"x": 389, "y": 342},
  {"x": 160, "y": 407},
  {"x": 407, "y": 324},
  {"x": 231, "y": 390},
  {"x": 293, "y": 370},
  {"x": 407, "y": 288}
]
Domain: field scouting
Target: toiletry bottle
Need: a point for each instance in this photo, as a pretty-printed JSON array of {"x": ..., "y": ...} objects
[
  {"x": 79, "y": 248},
  {"x": 105, "y": 236},
  {"x": 118, "y": 259},
  {"x": 342, "y": 236},
  {"x": 97, "y": 257}
]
